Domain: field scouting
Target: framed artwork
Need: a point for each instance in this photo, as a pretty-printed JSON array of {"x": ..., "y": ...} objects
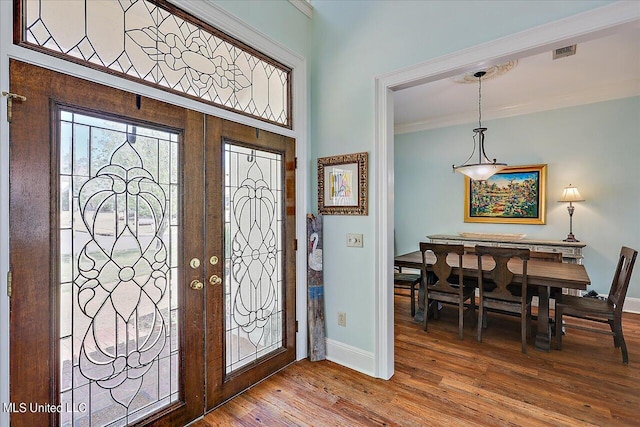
[
  {"x": 342, "y": 184},
  {"x": 515, "y": 195}
]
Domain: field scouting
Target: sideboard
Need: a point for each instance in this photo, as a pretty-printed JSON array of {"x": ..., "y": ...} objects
[{"x": 571, "y": 251}]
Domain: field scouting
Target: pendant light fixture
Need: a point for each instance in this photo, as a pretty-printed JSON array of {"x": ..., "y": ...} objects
[{"x": 485, "y": 168}]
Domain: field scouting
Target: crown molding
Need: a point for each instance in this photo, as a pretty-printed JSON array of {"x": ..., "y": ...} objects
[
  {"x": 618, "y": 90},
  {"x": 303, "y": 6}
]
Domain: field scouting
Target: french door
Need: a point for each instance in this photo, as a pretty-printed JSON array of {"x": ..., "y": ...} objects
[{"x": 152, "y": 257}]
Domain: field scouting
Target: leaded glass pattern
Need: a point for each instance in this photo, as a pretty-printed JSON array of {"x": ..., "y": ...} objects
[
  {"x": 254, "y": 194},
  {"x": 118, "y": 293},
  {"x": 149, "y": 42}
]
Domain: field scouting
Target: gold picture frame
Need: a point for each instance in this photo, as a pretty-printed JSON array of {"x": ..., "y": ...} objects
[
  {"x": 515, "y": 195},
  {"x": 342, "y": 184}
]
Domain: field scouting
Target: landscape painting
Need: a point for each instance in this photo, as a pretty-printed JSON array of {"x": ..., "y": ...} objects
[{"x": 514, "y": 195}]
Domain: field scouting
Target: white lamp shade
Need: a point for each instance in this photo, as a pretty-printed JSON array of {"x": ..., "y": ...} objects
[
  {"x": 571, "y": 194},
  {"x": 482, "y": 171}
]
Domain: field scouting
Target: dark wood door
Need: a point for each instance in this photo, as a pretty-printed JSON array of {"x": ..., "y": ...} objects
[
  {"x": 106, "y": 216},
  {"x": 152, "y": 254},
  {"x": 251, "y": 281}
]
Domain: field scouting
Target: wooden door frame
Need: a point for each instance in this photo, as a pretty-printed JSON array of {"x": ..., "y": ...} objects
[{"x": 220, "y": 18}]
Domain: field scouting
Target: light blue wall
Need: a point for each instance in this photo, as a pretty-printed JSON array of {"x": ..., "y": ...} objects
[
  {"x": 595, "y": 147},
  {"x": 278, "y": 19},
  {"x": 352, "y": 43}
]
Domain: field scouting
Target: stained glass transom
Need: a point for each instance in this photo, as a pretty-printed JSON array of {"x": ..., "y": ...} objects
[
  {"x": 253, "y": 254},
  {"x": 143, "y": 40},
  {"x": 118, "y": 247}
]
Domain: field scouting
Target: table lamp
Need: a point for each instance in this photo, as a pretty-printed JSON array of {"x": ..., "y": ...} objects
[{"x": 571, "y": 194}]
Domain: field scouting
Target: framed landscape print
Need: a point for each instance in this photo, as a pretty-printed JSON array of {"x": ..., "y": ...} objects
[
  {"x": 342, "y": 184},
  {"x": 515, "y": 195}
]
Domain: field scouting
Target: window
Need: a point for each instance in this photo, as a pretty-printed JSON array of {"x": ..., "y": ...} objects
[{"x": 155, "y": 43}]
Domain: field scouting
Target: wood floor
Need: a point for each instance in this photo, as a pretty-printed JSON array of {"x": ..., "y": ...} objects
[{"x": 440, "y": 380}]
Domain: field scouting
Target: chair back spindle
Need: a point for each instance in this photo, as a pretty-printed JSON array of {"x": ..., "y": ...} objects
[
  {"x": 441, "y": 285},
  {"x": 502, "y": 297},
  {"x": 622, "y": 277}
]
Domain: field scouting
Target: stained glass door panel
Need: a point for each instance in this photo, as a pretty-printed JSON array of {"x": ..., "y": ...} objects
[
  {"x": 100, "y": 248},
  {"x": 118, "y": 234},
  {"x": 253, "y": 254},
  {"x": 253, "y": 305}
]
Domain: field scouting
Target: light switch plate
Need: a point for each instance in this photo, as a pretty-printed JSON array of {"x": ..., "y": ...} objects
[
  {"x": 354, "y": 240},
  {"x": 342, "y": 318}
]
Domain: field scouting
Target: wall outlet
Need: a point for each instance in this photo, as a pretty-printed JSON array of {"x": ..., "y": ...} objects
[
  {"x": 342, "y": 319},
  {"x": 354, "y": 240}
]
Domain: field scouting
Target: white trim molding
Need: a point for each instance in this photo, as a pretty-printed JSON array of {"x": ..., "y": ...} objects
[
  {"x": 632, "y": 305},
  {"x": 618, "y": 90},
  {"x": 383, "y": 187},
  {"x": 349, "y": 356},
  {"x": 578, "y": 27},
  {"x": 303, "y": 6},
  {"x": 5, "y": 41}
]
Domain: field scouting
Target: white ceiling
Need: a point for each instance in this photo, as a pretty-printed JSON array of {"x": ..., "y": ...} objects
[{"x": 602, "y": 69}]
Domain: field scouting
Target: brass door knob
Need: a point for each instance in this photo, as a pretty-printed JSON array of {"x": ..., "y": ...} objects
[
  {"x": 196, "y": 285},
  {"x": 215, "y": 280}
]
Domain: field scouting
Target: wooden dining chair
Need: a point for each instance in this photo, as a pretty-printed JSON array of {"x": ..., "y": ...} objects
[
  {"x": 607, "y": 311},
  {"x": 500, "y": 294},
  {"x": 442, "y": 286},
  {"x": 407, "y": 281}
]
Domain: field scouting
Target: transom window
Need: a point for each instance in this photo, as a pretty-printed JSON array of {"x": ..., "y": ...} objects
[{"x": 160, "y": 45}]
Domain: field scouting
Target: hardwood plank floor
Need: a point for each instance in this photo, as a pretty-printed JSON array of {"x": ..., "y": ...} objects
[{"x": 440, "y": 380}]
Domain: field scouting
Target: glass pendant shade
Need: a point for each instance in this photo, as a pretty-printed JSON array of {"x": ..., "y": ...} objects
[
  {"x": 481, "y": 172},
  {"x": 485, "y": 168}
]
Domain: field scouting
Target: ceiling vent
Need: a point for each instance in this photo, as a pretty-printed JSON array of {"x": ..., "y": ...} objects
[{"x": 564, "y": 51}]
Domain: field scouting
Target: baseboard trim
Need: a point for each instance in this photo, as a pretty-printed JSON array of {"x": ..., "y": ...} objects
[
  {"x": 351, "y": 357},
  {"x": 632, "y": 305}
]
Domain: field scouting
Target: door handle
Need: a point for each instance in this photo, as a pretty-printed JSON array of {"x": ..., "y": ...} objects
[
  {"x": 215, "y": 280},
  {"x": 196, "y": 285}
]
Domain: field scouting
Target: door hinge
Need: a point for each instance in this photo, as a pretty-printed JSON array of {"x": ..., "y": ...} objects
[
  {"x": 295, "y": 163},
  {"x": 10, "y": 97},
  {"x": 9, "y": 283},
  {"x": 295, "y": 244},
  {"x": 296, "y": 326}
]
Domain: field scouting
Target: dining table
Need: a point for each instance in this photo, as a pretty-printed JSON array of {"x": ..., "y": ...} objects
[{"x": 541, "y": 274}]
